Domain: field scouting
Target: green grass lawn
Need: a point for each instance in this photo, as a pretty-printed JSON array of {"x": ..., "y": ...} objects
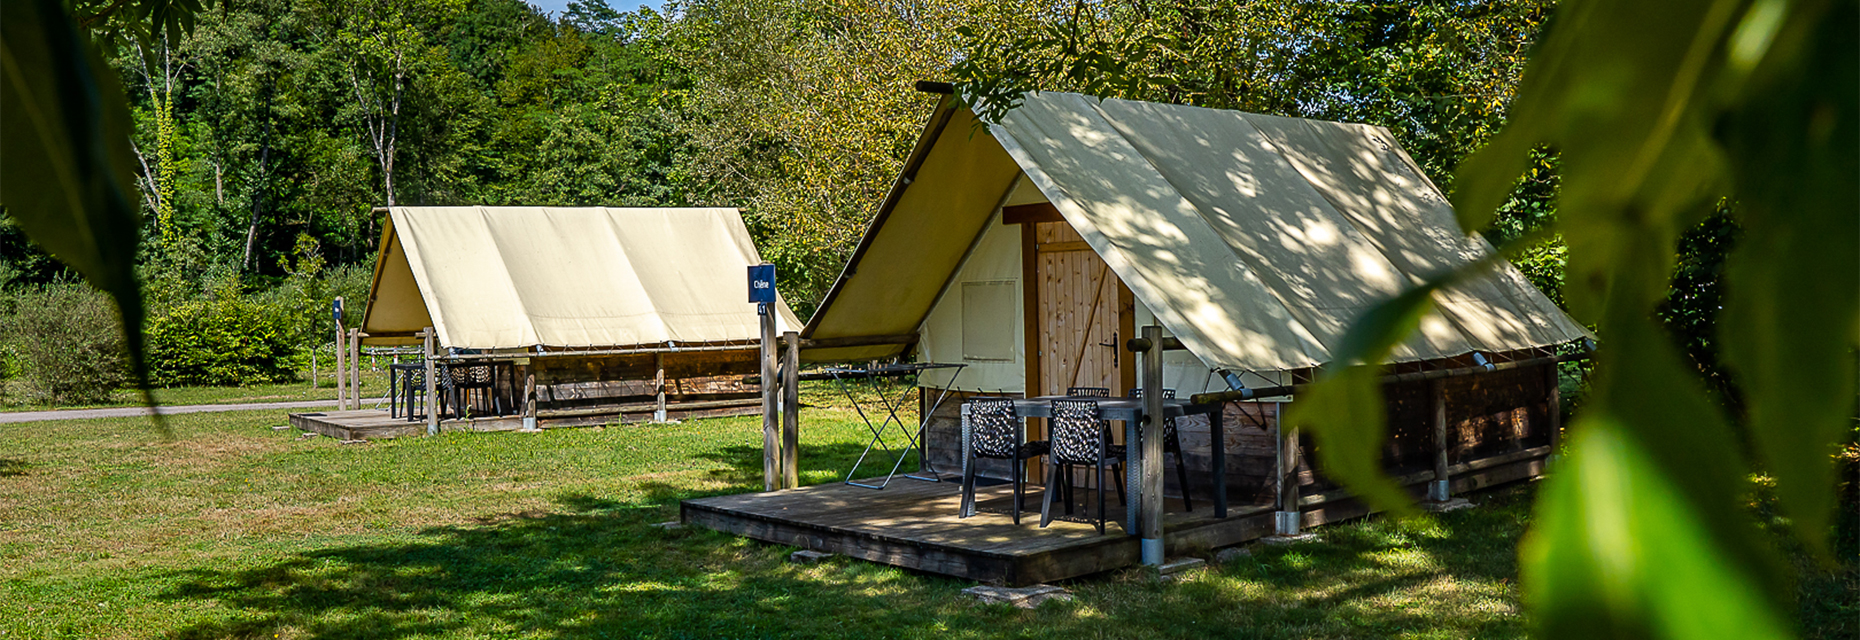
[
  {"x": 234, "y": 530},
  {"x": 374, "y": 386}
]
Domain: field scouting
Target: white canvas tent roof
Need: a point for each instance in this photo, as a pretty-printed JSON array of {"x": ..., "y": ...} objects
[
  {"x": 506, "y": 278},
  {"x": 1254, "y": 239}
]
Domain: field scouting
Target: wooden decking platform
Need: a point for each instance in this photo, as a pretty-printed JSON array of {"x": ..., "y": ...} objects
[{"x": 913, "y": 524}]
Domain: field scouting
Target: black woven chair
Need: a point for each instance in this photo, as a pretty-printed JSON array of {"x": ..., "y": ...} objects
[
  {"x": 993, "y": 431},
  {"x": 1078, "y": 438},
  {"x": 1172, "y": 443},
  {"x": 1088, "y": 392}
]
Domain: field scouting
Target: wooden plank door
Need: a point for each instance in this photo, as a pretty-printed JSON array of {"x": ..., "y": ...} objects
[{"x": 1082, "y": 311}]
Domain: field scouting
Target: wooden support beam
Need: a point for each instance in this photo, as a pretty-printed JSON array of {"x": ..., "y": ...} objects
[
  {"x": 1151, "y": 501},
  {"x": 429, "y": 346},
  {"x": 771, "y": 388},
  {"x": 1439, "y": 490},
  {"x": 1553, "y": 376},
  {"x": 849, "y": 341},
  {"x": 1288, "y": 520},
  {"x": 1031, "y": 213},
  {"x": 529, "y": 399},
  {"x": 658, "y": 387},
  {"x": 355, "y": 368},
  {"x": 791, "y": 411},
  {"x": 1268, "y": 392},
  {"x": 342, "y": 398}
]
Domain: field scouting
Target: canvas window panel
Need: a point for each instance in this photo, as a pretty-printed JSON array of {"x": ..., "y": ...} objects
[{"x": 988, "y": 320}]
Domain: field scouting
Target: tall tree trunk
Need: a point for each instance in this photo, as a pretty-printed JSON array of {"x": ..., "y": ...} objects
[{"x": 258, "y": 192}]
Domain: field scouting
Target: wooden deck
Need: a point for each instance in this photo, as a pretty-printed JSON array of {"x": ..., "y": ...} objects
[
  {"x": 375, "y": 424},
  {"x": 913, "y": 524}
]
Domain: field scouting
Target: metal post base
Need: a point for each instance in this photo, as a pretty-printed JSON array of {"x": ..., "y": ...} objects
[
  {"x": 1286, "y": 523},
  {"x": 529, "y": 424},
  {"x": 1437, "y": 491},
  {"x": 1152, "y": 552}
]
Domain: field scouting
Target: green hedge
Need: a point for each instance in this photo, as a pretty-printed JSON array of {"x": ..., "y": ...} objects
[{"x": 222, "y": 342}]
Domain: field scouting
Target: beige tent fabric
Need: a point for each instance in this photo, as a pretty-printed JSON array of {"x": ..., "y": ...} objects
[
  {"x": 519, "y": 277},
  {"x": 1258, "y": 240},
  {"x": 912, "y": 249}
]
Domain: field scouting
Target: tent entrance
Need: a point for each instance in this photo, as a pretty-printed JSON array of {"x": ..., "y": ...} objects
[{"x": 1082, "y": 314}]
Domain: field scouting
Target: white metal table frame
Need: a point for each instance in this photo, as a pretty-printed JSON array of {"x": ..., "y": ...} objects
[{"x": 885, "y": 393}]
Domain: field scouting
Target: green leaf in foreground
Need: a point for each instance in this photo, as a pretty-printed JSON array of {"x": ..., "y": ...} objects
[
  {"x": 1794, "y": 280},
  {"x": 1618, "y": 552},
  {"x": 65, "y": 162}
]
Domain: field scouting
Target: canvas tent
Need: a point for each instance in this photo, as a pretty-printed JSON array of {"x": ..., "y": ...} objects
[
  {"x": 1256, "y": 240},
  {"x": 572, "y": 314},
  {"x": 519, "y": 278}
]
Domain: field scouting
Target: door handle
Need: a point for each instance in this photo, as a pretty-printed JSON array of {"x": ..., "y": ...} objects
[{"x": 1115, "y": 356}]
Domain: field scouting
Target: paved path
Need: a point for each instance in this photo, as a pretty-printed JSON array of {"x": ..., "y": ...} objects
[{"x": 130, "y": 412}]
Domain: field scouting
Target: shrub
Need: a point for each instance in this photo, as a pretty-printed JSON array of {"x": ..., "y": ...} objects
[
  {"x": 225, "y": 341},
  {"x": 65, "y": 342}
]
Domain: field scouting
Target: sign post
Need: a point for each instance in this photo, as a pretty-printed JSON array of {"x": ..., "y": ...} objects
[
  {"x": 335, "y": 312},
  {"x": 762, "y": 292}
]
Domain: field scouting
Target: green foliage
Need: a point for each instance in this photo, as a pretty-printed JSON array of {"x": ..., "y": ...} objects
[
  {"x": 65, "y": 176},
  {"x": 1757, "y": 100},
  {"x": 64, "y": 345},
  {"x": 223, "y": 341}
]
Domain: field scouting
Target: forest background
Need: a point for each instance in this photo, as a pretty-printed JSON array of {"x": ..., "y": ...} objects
[{"x": 268, "y": 135}]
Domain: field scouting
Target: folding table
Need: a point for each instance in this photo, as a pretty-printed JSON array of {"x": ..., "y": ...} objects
[{"x": 891, "y": 399}]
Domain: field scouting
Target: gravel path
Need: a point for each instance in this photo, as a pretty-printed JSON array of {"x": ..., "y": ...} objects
[{"x": 130, "y": 412}]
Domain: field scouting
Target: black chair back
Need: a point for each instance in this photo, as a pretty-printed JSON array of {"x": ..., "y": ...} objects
[
  {"x": 1088, "y": 392},
  {"x": 1077, "y": 431},
  {"x": 994, "y": 428}
]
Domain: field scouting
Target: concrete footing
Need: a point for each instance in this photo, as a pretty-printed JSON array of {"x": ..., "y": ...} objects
[{"x": 1023, "y": 597}]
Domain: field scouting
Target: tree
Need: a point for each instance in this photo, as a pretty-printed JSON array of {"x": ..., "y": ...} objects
[{"x": 384, "y": 51}]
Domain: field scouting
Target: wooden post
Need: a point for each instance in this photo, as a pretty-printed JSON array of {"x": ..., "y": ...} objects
[
  {"x": 428, "y": 344},
  {"x": 342, "y": 399},
  {"x": 791, "y": 410},
  {"x": 1553, "y": 374},
  {"x": 1287, "y": 520},
  {"x": 1439, "y": 490},
  {"x": 771, "y": 389},
  {"x": 355, "y": 368},
  {"x": 529, "y": 400},
  {"x": 1150, "y": 502},
  {"x": 658, "y": 387}
]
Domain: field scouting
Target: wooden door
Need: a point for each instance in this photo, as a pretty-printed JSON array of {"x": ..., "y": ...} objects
[{"x": 1081, "y": 310}]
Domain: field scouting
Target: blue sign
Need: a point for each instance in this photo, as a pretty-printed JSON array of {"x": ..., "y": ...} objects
[
  {"x": 762, "y": 283},
  {"x": 335, "y": 309}
]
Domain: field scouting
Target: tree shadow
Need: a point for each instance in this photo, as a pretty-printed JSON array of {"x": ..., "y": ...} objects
[
  {"x": 10, "y": 468},
  {"x": 597, "y": 569},
  {"x": 820, "y": 463}
]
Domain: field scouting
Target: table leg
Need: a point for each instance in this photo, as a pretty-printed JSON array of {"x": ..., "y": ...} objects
[{"x": 1133, "y": 474}]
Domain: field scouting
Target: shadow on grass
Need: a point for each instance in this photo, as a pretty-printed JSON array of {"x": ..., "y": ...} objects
[
  {"x": 819, "y": 463},
  {"x": 10, "y": 468},
  {"x": 596, "y": 570}
]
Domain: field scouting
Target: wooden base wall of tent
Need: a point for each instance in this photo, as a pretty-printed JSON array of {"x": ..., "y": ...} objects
[{"x": 574, "y": 391}]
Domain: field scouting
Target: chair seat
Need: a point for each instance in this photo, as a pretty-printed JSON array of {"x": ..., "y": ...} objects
[{"x": 1029, "y": 450}]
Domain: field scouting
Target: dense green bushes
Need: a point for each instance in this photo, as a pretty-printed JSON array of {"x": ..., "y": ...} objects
[
  {"x": 63, "y": 344},
  {"x": 221, "y": 342}
]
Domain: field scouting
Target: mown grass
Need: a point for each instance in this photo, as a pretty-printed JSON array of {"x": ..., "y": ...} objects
[
  {"x": 234, "y": 530},
  {"x": 374, "y": 386}
]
